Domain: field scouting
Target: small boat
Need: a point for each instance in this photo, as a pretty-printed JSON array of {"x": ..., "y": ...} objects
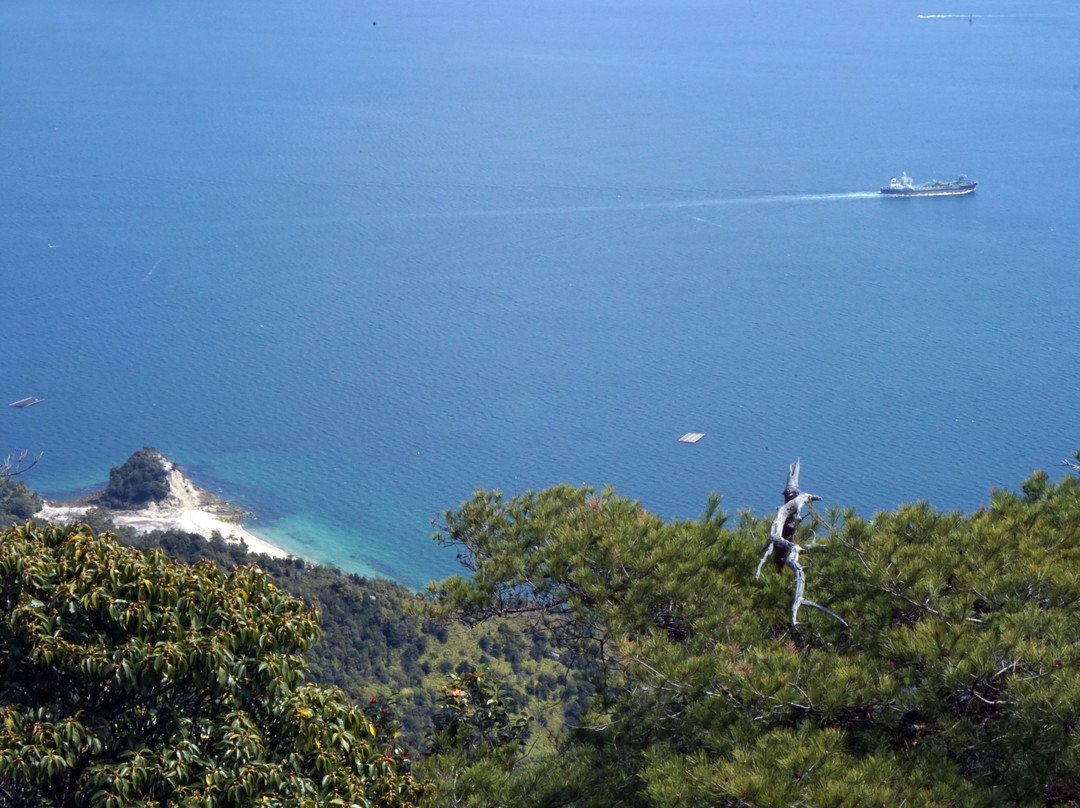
[
  {"x": 23, "y": 403},
  {"x": 903, "y": 186}
]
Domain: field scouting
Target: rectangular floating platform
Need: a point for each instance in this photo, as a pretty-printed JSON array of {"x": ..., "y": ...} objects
[
  {"x": 692, "y": 437},
  {"x": 26, "y": 402}
]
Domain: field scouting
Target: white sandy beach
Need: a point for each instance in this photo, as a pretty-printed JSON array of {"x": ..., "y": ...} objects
[{"x": 186, "y": 508}]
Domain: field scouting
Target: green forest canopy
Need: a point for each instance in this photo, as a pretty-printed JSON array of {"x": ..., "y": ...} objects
[
  {"x": 130, "y": 679},
  {"x": 954, "y": 682},
  {"x": 138, "y": 481},
  {"x": 17, "y": 501}
]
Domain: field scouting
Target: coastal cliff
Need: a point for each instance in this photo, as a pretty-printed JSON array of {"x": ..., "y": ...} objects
[{"x": 183, "y": 506}]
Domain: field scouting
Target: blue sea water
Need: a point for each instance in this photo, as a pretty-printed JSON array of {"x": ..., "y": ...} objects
[{"x": 348, "y": 261}]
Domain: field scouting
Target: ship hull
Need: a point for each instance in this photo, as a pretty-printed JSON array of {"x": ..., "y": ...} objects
[{"x": 955, "y": 189}]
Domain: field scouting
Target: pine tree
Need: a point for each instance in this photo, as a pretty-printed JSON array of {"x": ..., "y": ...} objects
[{"x": 954, "y": 682}]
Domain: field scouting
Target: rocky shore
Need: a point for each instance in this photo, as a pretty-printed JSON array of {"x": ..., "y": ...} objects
[{"x": 186, "y": 508}]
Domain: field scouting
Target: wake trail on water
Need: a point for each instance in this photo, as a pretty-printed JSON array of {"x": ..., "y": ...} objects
[
  {"x": 761, "y": 199},
  {"x": 978, "y": 16}
]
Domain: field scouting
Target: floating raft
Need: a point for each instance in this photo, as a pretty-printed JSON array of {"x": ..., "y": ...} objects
[
  {"x": 691, "y": 437},
  {"x": 22, "y": 403}
]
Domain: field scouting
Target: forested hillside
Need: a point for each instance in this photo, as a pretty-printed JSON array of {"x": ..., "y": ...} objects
[
  {"x": 17, "y": 501},
  {"x": 593, "y": 654},
  {"x": 379, "y": 639}
]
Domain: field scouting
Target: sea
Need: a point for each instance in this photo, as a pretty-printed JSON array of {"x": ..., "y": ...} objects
[{"x": 347, "y": 262}]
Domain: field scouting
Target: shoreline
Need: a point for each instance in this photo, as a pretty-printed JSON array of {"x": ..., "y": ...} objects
[{"x": 187, "y": 508}]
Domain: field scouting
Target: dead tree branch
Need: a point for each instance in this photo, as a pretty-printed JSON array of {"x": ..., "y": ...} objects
[
  {"x": 15, "y": 464},
  {"x": 782, "y": 546}
]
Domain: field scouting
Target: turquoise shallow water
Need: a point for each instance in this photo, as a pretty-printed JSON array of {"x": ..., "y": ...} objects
[{"x": 345, "y": 273}]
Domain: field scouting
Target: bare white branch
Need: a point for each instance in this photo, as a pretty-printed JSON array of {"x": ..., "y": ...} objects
[
  {"x": 17, "y": 463},
  {"x": 782, "y": 546}
]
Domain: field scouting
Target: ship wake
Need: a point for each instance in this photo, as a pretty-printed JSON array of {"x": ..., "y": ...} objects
[
  {"x": 626, "y": 207},
  {"x": 972, "y": 17}
]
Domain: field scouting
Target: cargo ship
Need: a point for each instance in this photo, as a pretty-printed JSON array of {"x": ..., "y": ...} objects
[{"x": 903, "y": 186}]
